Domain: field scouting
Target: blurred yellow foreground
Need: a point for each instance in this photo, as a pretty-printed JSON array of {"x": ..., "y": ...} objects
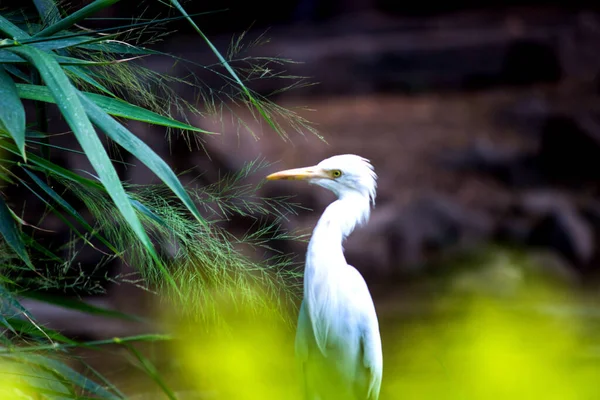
[{"x": 534, "y": 341}]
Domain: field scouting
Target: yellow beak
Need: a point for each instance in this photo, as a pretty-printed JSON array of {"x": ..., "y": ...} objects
[{"x": 300, "y": 174}]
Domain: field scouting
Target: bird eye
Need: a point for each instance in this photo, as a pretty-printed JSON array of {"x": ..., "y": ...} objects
[{"x": 336, "y": 173}]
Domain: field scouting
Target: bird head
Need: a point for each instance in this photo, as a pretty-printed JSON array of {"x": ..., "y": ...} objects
[{"x": 344, "y": 175}]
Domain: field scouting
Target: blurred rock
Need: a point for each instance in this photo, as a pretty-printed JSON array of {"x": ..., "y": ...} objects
[
  {"x": 526, "y": 114},
  {"x": 403, "y": 239},
  {"x": 568, "y": 154},
  {"x": 509, "y": 166},
  {"x": 554, "y": 223}
]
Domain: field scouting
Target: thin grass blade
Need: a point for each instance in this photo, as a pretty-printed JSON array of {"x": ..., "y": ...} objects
[
  {"x": 7, "y": 306},
  {"x": 45, "y": 166},
  {"x": 63, "y": 375},
  {"x": 48, "y": 11},
  {"x": 115, "y": 47},
  {"x": 140, "y": 150},
  {"x": 12, "y": 235},
  {"x": 69, "y": 209},
  {"x": 150, "y": 370},
  {"x": 9, "y": 58},
  {"x": 78, "y": 305},
  {"x": 12, "y": 112},
  {"x": 76, "y": 17},
  {"x": 26, "y": 327},
  {"x": 10, "y": 30},
  {"x": 115, "y": 107},
  {"x": 63, "y": 43},
  {"x": 81, "y": 74},
  {"x": 229, "y": 69},
  {"x": 149, "y": 213},
  {"x": 11, "y": 69}
]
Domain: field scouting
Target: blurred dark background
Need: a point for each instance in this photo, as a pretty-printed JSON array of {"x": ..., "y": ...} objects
[{"x": 482, "y": 121}]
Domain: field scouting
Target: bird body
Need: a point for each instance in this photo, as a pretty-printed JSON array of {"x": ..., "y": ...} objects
[{"x": 337, "y": 340}]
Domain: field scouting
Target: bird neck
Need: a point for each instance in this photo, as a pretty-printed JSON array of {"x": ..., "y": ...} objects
[{"x": 339, "y": 219}]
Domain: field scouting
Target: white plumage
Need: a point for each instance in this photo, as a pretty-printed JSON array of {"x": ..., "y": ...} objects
[{"x": 337, "y": 340}]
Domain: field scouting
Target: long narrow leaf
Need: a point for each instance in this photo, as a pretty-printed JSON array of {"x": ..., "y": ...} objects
[
  {"x": 79, "y": 305},
  {"x": 10, "y": 30},
  {"x": 67, "y": 99},
  {"x": 82, "y": 74},
  {"x": 11, "y": 69},
  {"x": 47, "y": 10},
  {"x": 231, "y": 71},
  {"x": 26, "y": 327},
  {"x": 140, "y": 150},
  {"x": 150, "y": 370},
  {"x": 76, "y": 17},
  {"x": 148, "y": 213},
  {"x": 45, "y": 166},
  {"x": 91, "y": 345},
  {"x": 8, "y": 305},
  {"x": 115, "y": 47},
  {"x": 63, "y": 43},
  {"x": 103, "y": 379},
  {"x": 12, "y": 235},
  {"x": 70, "y": 209},
  {"x": 69, "y": 103},
  {"x": 12, "y": 112},
  {"x": 56, "y": 197},
  {"x": 11, "y": 300},
  {"x": 7, "y": 57},
  {"x": 63, "y": 373},
  {"x": 115, "y": 107}
]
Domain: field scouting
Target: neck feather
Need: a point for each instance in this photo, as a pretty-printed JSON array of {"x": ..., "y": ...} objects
[{"x": 338, "y": 220}]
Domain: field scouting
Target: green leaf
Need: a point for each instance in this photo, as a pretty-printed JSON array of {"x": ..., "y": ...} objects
[
  {"x": 55, "y": 196},
  {"x": 67, "y": 99},
  {"x": 11, "y": 301},
  {"x": 76, "y": 17},
  {"x": 225, "y": 64},
  {"x": 82, "y": 74},
  {"x": 92, "y": 344},
  {"x": 140, "y": 150},
  {"x": 31, "y": 134},
  {"x": 62, "y": 43},
  {"x": 9, "y": 58},
  {"x": 151, "y": 371},
  {"x": 61, "y": 374},
  {"x": 11, "y": 69},
  {"x": 116, "y": 107},
  {"x": 12, "y": 112},
  {"x": 46, "y": 166},
  {"x": 78, "y": 305},
  {"x": 48, "y": 11},
  {"x": 147, "y": 212},
  {"x": 26, "y": 327},
  {"x": 38, "y": 379},
  {"x": 12, "y": 235},
  {"x": 6, "y": 57},
  {"x": 10, "y": 30},
  {"x": 8, "y": 304},
  {"x": 118, "y": 48}
]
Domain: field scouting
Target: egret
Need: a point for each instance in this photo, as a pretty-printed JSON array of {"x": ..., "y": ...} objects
[{"x": 337, "y": 340}]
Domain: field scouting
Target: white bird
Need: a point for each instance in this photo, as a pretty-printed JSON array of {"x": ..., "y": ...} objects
[{"x": 337, "y": 340}]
